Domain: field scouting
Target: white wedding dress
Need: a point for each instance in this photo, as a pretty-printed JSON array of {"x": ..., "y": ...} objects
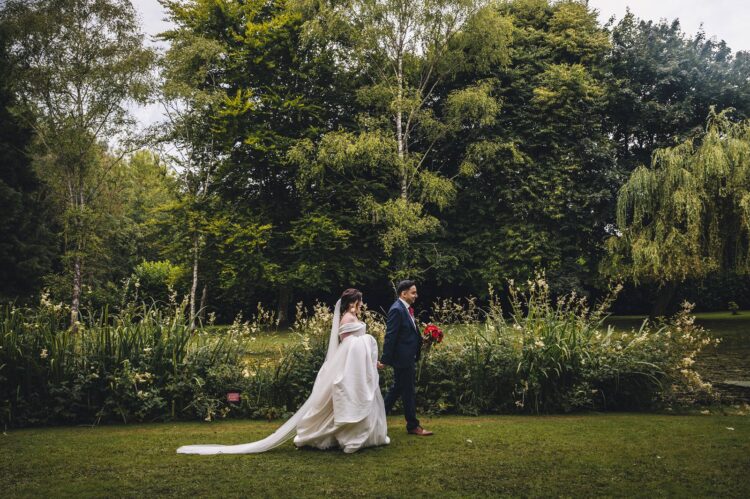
[{"x": 345, "y": 408}]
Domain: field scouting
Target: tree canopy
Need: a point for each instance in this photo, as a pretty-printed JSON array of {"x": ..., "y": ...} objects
[{"x": 310, "y": 147}]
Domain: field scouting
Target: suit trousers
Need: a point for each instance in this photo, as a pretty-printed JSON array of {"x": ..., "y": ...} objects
[{"x": 404, "y": 387}]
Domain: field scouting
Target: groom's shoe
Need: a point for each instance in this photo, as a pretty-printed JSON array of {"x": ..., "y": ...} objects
[{"x": 419, "y": 431}]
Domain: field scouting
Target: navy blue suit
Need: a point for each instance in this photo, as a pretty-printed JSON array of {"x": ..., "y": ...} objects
[{"x": 402, "y": 347}]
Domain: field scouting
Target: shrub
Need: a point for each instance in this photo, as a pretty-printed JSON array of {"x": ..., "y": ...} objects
[
  {"x": 141, "y": 365},
  {"x": 558, "y": 357},
  {"x": 155, "y": 281},
  {"x": 145, "y": 364}
]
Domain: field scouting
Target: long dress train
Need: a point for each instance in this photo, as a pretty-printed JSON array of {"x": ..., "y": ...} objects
[{"x": 345, "y": 408}]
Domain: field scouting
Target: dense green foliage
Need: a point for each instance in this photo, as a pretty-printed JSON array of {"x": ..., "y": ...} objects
[
  {"x": 27, "y": 239},
  {"x": 689, "y": 214},
  {"x": 554, "y": 357},
  {"x": 309, "y": 147},
  {"x": 145, "y": 364},
  {"x": 141, "y": 365},
  {"x": 76, "y": 65},
  {"x": 544, "y": 174}
]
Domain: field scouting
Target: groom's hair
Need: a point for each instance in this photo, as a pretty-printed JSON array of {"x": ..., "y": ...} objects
[{"x": 404, "y": 286}]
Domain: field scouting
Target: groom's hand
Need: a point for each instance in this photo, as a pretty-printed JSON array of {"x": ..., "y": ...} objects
[{"x": 381, "y": 365}]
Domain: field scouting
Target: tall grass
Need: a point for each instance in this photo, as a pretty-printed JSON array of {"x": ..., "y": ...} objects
[
  {"x": 142, "y": 363},
  {"x": 546, "y": 355}
]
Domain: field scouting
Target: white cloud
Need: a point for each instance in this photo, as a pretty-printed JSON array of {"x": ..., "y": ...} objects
[{"x": 152, "y": 16}]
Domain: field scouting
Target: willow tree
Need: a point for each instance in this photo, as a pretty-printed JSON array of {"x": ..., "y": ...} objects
[
  {"x": 81, "y": 62},
  {"x": 402, "y": 51},
  {"x": 688, "y": 215}
]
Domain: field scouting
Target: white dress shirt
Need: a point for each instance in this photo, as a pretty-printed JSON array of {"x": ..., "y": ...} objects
[{"x": 406, "y": 304}]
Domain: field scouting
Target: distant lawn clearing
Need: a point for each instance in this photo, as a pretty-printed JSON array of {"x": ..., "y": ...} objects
[
  {"x": 641, "y": 455},
  {"x": 740, "y": 315}
]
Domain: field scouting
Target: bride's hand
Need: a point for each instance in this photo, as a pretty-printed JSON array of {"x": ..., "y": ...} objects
[{"x": 381, "y": 365}]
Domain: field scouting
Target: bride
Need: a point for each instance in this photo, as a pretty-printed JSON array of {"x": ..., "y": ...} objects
[{"x": 345, "y": 408}]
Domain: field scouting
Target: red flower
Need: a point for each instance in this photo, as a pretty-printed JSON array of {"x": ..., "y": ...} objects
[{"x": 432, "y": 334}]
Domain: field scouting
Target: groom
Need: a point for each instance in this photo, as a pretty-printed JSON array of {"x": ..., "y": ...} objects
[{"x": 401, "y": 349}]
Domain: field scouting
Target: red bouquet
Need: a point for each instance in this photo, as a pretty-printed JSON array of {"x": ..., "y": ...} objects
[{"x": 432, "y": 334}]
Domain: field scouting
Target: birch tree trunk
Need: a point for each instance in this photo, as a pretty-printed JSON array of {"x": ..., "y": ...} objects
[
  {"x": 77, "y": 200},
  {"x": 80, "y": 65},
  {"x": 76, "y": 301},
  {"x": 399, "y": 127},
  {"x": 202, "y": 309},
  {"x": 194, "y": 286}
]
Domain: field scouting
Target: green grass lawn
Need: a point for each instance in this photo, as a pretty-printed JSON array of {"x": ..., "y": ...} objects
[
  {"x": 741, "y": 315},
  {"x": 271, "y": 344},
  {"x": 641, "y": 455}
]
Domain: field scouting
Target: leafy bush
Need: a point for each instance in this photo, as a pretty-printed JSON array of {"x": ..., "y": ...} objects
[
  {"x": 553, "y": 357},
  {"x": 145, "y": 364},
  {"x": 155, "y": 281},
  {"x": 141, "y": 365}
]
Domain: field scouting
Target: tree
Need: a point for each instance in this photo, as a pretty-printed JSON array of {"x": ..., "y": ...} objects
[
  {"x": 688, "y": 214},
  {"x": 138, "y": 231},
  {"x": 80, "y": 62},
  {"x": 403, "y": 50},
  {"x": 148, "y": 187},
  {"x": 663, "y": 83},
  {"x": 275, "y": 91},
  {"x": 28, "y": 245},
  {"x": 541, "y": 174},
  {"x": 192, "y": 100}
]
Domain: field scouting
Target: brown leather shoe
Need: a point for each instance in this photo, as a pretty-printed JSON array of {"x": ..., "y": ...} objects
[{"x": 420, "y": 432}]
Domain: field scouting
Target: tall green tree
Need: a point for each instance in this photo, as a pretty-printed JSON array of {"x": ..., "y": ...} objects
[
  {"x": 688, "y": 214},
  {"x": 663, "y": 83},
  {"x": 148, "y": 187},
  {"x": 192, "y": 98},
  {"x": 541, "y": 175},
  {"x": 276, "y": 90},
  {"x": 401, "y": 52},
  {"x": 139, "y": 228},
  {"x": 28, "y": 246},
  {"x": 81, "y": 62}
]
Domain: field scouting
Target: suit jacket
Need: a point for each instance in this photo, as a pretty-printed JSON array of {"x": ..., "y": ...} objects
[{"x": 402, "y": 345}]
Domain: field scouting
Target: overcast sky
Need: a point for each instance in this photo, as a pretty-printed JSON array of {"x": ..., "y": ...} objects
[{"x": 723, "y": 19}]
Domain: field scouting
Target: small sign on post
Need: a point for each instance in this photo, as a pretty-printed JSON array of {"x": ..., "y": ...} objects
[{"x": 233, "y": 397}]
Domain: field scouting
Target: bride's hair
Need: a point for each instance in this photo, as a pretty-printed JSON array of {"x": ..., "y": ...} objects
[{"x": 348, "y": 297}]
